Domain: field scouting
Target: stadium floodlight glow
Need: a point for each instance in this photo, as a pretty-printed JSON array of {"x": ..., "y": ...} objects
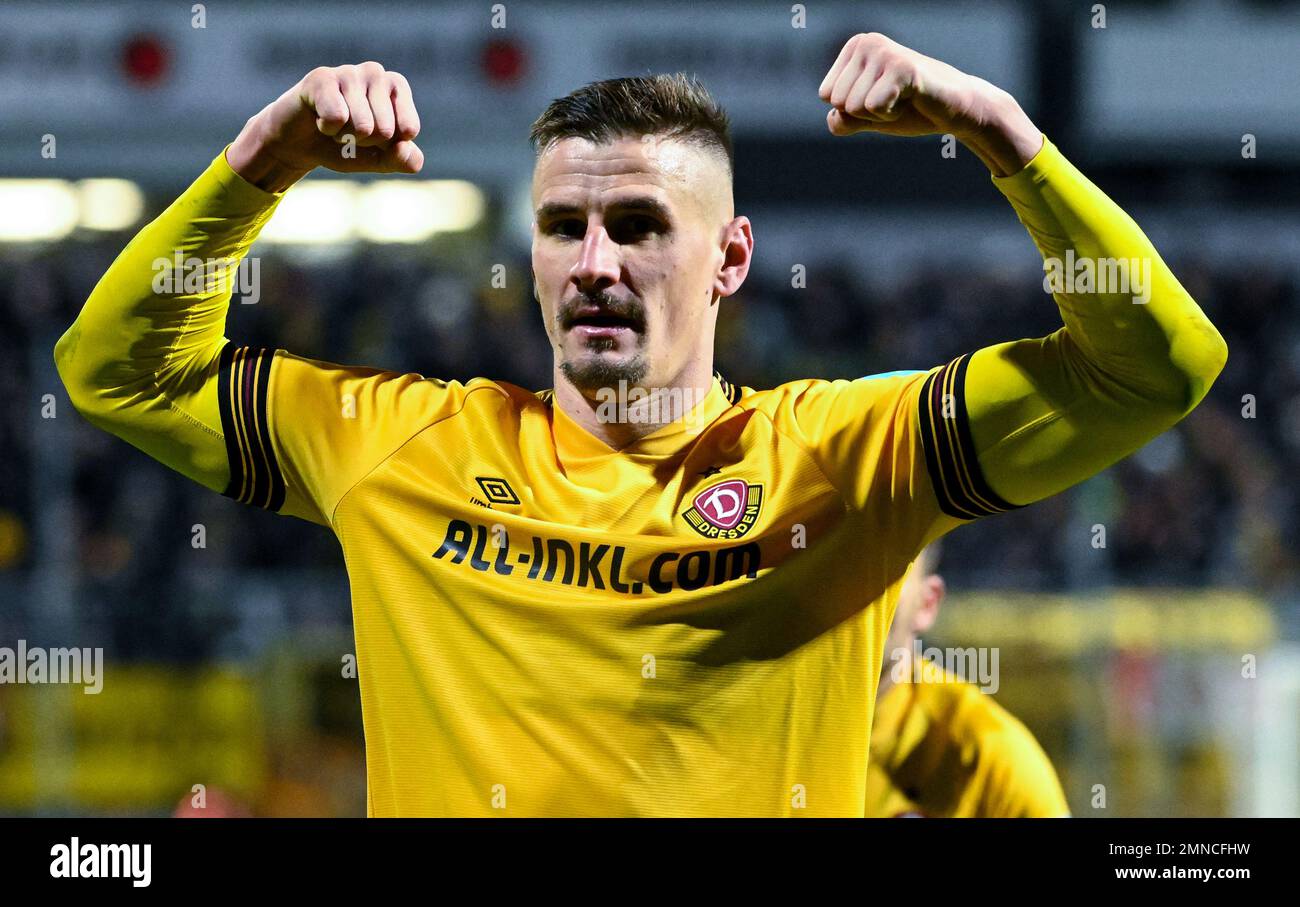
[
  {"x": 402, "y": 211},
  {"x": 37, "y": 210},
  {"x": 459, "y": 205},
  {"x": 314, "y": 212},
  {"x": 396, "y": 211},
  {"x": 110, "y": 204}
]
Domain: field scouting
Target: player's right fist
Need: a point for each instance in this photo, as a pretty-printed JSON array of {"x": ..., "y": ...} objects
[{"x": 354, "y": 119}]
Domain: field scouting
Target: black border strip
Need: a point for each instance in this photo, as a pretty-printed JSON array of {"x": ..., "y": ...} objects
[
  {"x": 244, "y": 383},
  {"x": 949, "y": 448}
]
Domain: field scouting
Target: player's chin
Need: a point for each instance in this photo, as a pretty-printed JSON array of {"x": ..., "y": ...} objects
[{"x": 604, "y": 367}]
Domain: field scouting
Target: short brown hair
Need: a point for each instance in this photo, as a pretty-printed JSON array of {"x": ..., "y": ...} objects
[{"x": 675, "y": 106}]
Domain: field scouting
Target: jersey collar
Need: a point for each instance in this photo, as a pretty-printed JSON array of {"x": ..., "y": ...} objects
[{"x": 574, "y": 443}]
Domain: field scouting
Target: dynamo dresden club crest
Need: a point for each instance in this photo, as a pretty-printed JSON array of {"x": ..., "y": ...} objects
[{"x": 727, "y": 510}]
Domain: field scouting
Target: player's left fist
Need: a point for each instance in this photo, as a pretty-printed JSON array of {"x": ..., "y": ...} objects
[{"x": 878, "y": 85}]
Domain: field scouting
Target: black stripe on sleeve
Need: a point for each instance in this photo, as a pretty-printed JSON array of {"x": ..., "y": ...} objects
[
  {"x": 949, "y": 448},
  {"x": 244, "y": 380}
]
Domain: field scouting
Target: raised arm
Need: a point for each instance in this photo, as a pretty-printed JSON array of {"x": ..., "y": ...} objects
[
  {"x": 142, "y": 358},
  {"x": 147, "y": 359},
  {"x": 1016, "y": 422}
]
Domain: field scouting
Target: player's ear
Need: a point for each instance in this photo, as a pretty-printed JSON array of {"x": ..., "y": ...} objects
[
  {"x": 933, "y": 591},
  {"x": 737, "y": 253}
]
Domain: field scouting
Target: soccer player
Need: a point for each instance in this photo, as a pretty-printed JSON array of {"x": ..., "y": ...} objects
[
  {"x": 677, "y": 607},
  {"x": 939, "y": 746}
]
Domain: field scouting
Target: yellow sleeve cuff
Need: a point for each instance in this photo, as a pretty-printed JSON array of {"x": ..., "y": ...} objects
[
  {"x": 1043, "y": 166},
  {"x": 227, "y": 194}
]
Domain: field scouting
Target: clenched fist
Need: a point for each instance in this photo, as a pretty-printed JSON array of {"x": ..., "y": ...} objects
[
  {"x": 354, "y": 119},
  {"x": 878, "y": 85}
]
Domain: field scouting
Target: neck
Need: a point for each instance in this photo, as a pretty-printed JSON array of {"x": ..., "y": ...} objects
[
  {"x": 619, "y": 418},
  {"x": 902, "y": 665}
]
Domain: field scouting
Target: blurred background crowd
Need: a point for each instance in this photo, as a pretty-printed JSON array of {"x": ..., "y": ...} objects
[{"x": 1213, "y": 502}]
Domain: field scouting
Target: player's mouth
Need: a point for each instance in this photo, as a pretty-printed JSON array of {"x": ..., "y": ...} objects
[{"x": 594, "y": 321}]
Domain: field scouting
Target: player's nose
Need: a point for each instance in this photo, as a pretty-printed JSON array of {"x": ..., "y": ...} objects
[{"x": 598, "y": 263}]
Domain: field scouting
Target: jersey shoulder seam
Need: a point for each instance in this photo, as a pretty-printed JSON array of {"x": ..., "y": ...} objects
[
  {"x": 802, "y": 446},
  {"x": 414, "y": 434}
]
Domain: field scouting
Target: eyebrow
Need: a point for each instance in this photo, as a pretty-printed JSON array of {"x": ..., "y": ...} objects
[{"x": 643, "y": 203}]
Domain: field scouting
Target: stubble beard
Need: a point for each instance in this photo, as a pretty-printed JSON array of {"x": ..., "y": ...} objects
[{"x": 597, "y": 373}]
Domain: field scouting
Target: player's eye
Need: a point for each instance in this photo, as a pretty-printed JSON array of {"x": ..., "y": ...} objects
[
  {"x": 567, "y": 226},
  {"x": 570, "y": 227},
  {"x": 632, "y": 228}
]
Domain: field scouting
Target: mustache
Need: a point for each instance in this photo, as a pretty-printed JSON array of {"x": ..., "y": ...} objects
[{"x": 630, "y": 310}]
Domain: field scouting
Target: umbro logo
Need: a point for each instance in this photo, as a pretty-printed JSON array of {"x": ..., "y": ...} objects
[{"x": 497, "y": 491}]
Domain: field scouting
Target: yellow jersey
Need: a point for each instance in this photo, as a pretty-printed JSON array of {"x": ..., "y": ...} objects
[
  {"x": 942, "y": 748},
  {"x": 547, "y": 627},
  {"x": 690, "y": 626}
]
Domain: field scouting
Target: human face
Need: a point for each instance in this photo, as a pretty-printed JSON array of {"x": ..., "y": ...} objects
[{"x": 630, "y": 255}]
